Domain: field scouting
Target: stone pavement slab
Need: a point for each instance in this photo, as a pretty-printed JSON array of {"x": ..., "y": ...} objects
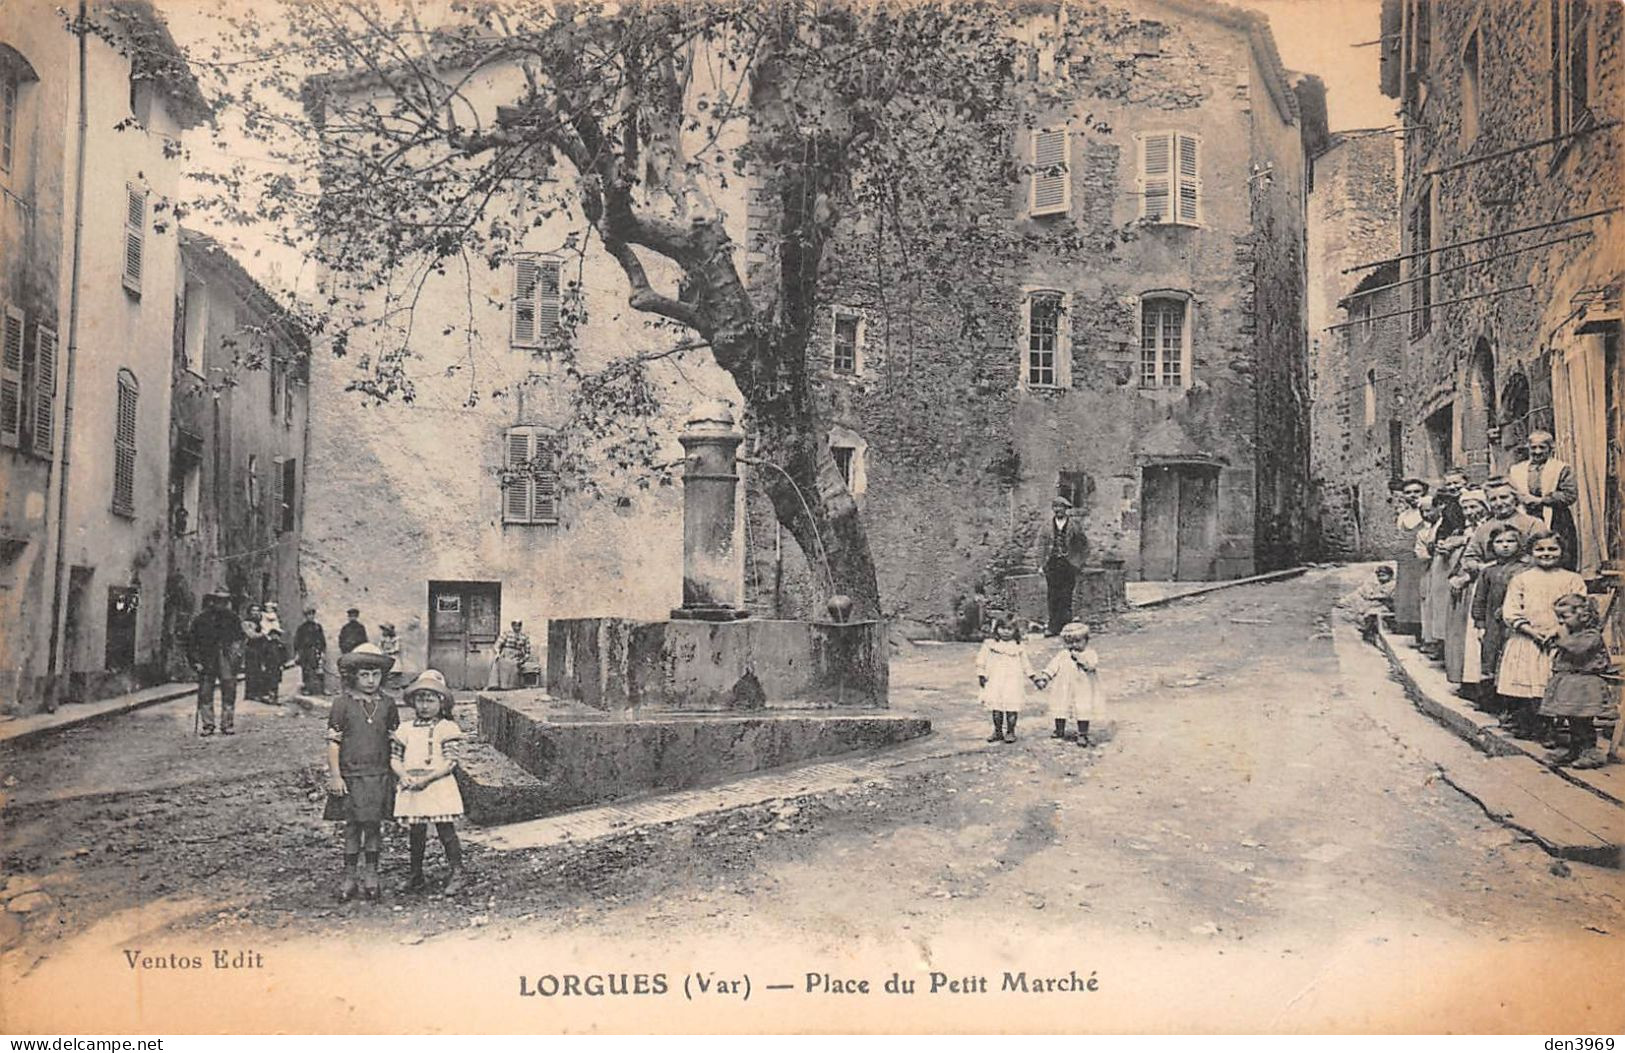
[
  {"x": 1159, "y": 593},
  {"x": 1436, "y": 696},
  {"x": 1565, "y": 820}
]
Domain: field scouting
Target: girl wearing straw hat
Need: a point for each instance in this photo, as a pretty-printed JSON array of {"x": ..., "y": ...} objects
[
  {"x": 428, "y": 792},
  {"x": 360, "y": 784}
]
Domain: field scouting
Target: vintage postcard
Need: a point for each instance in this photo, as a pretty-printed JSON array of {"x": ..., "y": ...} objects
[{"x": 721, "y": 515}]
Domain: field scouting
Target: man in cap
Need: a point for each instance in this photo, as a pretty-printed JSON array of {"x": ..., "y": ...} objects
[
  {"x": 1063, "y": 548},
  {"x": 211, "y": 646},
  {"x": 310, "y": 651},
  {"x": 352, "y": 634}
]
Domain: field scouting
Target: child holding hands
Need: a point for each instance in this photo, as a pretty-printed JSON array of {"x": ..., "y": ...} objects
[
  {"x": 428, "y": 791},
  {"x": 1577, "y": 689},
  {"x": 1002, "y": 672},
  {"x": 1074, "y": 673}
]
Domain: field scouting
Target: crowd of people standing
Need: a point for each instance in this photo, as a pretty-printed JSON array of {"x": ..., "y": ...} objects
[{"x": 1485, "y": 581}]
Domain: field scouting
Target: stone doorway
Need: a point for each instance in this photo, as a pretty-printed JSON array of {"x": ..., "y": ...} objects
[{"x": 1179, "y": 522}]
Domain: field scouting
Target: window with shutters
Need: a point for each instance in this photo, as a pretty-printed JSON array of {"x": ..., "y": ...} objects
[
  {"x": 1570, "y": 25},
  {"x": 846, "y": 342},
  {"x": 1171, "y": 178},
  {"x": 11, "y": 380},
  {"x": 536, "y": 301},
  {"x": 1164, "y": 342},
  {"x": 124, "y": 444},
  {"x": 1046, "y": 359},
  {"x": 1050, "y": 191},
  {"x": 530, "y": 477},
  {"x": 135, "y": 233},
  {"x": 44, "y": 408}
]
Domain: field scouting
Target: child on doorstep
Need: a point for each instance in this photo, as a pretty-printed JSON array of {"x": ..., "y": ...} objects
[
  {"x": 1002, "y": 672},
  {"x": 361, "y": 789},
  {"x": 1506, "y": 548},
  {"x": 1577, "y": 690},
  {"x": 1531, "y": 621},
  {"x": 1074, "y": 674},
  {"x": 428, "y": 792}
]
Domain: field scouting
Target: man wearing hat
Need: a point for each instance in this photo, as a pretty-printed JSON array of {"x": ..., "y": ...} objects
[
  {"x": 352, "y": 634},
  {"x": 310, "y": 651},
  {"x": 1063, "y": 548},
  {"x": 360, "y": 784},
  {"x": 211, "y": 646}
]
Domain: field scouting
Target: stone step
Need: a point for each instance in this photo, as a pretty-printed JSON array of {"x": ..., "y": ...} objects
[
  {"x": 1566, "y": 820},
  {"x": 593, "y": 824},
  {"x": 553, "y": 765}
]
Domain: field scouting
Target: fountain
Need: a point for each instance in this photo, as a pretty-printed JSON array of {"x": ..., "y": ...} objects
[{"x": 633, "y": 707}]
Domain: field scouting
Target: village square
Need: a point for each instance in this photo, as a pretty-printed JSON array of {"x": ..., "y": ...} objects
[{"x": 980, "y": 501}]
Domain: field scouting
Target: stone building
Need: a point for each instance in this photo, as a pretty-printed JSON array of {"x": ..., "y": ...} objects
[
  {"x": 452, "y": 511},
  {"x": 90, "y": 294},
  {"x": 1153, "y": 369},
  {"x": 1355, "y": 372},
  {"x": 1512, "y": 240},
  {"x": 239, "y": 406}
]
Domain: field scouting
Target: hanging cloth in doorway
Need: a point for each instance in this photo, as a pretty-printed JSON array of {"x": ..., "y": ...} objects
[{"x": 1581, "y": 419}]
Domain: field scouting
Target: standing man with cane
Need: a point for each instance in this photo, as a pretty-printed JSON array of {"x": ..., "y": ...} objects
[{"x": 212, "y": 645}]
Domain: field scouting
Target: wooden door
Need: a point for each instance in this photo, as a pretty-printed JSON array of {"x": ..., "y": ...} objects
[
  {"x": 464, "y": 618},
  {"x": 1179, "y": 522},
  {"x": 1198, "y": 522},
  {"x": 1159, "y": 523}
]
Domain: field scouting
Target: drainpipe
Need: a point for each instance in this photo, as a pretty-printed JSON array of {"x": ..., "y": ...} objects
[{"x": 58, "y": 571}]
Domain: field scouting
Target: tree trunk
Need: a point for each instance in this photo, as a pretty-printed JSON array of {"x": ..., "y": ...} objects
[{"x": 809, "y": 497}]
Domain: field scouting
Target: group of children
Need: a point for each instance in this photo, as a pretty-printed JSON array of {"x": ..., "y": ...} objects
[
  {"x": 1541, "y": 661},
  {"x": 379, "y": 770},
  {"x": 1071, "y": 679}
]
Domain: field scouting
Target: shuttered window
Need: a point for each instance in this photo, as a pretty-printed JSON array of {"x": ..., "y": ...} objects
[
  {"x": 11, "y": 380},
  {"x": 1171, "y": 178},
  {"x": 1050, "y": 192},
  {"x": 8, "y": 118},
  {"x": 44, "y": 390},
  {"x": 536, "y": 300},
  {"x": 288, "y": 493},
  {"x": 530, "y": 481},
  {"x": 124, "y": 445},
  {"x": 135, "y": 232}
]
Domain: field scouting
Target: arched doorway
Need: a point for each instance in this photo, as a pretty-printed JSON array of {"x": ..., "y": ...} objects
[
  {"x": 1514, "y": 416},
  {"x": 1479, "y": 417}
]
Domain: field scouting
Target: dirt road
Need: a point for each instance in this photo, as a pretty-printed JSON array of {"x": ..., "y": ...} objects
[{"x": 1267, "y": 799}]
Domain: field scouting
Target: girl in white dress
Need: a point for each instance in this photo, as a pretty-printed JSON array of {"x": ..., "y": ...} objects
[
  {"x": 1075, "y": 678},
  {"x": 1531, "y": 621},
  {"x": 427, "y": 791},
  {"x": 1002, "y": 672}
]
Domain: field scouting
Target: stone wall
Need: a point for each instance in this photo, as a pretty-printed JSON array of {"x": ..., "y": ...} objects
[
  {"x": 1353, "y": 220},
  {"x": 961, "y": 457},
  {"x": 1482, "y": 370}
]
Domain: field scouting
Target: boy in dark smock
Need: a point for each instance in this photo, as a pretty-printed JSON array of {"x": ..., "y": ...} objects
[{"x": 361, "y": 786}]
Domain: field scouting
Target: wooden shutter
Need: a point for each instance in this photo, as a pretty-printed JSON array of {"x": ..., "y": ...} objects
[
  {"x": 545, "y": 479},
  {"x": 11, "y": 381},
  {"x": 135, "y": 231},
  {"x": 525, "y": 275},
  {"x": 44, "y": 390},
  {"x": 1051, "y": 182},
  {"x": 1156, "y": 176},
  {"x": 517, "y": 494},
  {"x": 547, "y": 298},
  {"x": 1190, "y": 181},
  {"x": 290, "y": 493},
  {"x": 124, "y": 447},
  {"x": 276, "y": 494}
]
